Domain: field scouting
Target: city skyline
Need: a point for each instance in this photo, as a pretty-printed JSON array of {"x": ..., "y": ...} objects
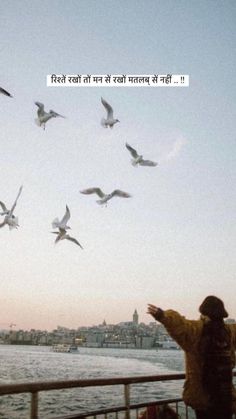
[
  {"x": 173, "y": 242},
  {"x": 100, "y": 325},
  {"x": 135, "y": 320}
]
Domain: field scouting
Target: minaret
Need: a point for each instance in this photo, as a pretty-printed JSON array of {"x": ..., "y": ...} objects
[{"x": 135, "y": 317}]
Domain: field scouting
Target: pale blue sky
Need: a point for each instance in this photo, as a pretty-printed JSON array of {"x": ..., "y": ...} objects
[{"x": 173, "y": 242}]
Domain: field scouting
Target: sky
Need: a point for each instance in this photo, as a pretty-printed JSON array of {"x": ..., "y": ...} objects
[{"x": 173, "y": 242}]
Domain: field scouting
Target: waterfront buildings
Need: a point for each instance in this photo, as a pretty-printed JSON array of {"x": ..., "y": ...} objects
[{"x": 129, "y": 334}]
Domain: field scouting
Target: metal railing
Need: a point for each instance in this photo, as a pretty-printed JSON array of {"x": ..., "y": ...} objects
[{"x": 36, "y": 387}]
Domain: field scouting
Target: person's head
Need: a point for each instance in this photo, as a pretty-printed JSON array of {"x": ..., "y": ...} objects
[
  {"x": 159, "y": 412},
  {"x": 166, "y": 412},
  {"x": 213, "y": 308}
]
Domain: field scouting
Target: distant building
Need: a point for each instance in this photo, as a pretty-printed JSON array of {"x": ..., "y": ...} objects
[
  {"x": 145, "y": 342},
  {"x": 129, "y": 325},
  {"x": 95, "y": 339},
  {"x": 128, "y": 334},
  {"x": 135, "y": 317}
]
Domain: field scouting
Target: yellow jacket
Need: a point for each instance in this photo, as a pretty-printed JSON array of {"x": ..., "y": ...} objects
[{"x": 187, "y": 334}]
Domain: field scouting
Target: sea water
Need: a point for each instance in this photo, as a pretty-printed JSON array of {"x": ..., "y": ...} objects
[{"x": 20, "y": 364}]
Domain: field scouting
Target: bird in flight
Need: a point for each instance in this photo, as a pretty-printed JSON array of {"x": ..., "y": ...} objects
[
  {"x": 109, "y": 121},
  {"x": 138, "y": 158},
  {"x": 5, "y": 92},
  {"x": 105, "y": 197},
  {"x": 63, "y": 223},
  {"x": 43, "y": 116},
  {"x": 62, "y": 234},
  {"x": 10, "y": 218},
  {"x": 62, "y": 227}
]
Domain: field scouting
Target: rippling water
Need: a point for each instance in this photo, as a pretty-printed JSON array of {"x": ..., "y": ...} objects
[{"x": 38, "y": 363}]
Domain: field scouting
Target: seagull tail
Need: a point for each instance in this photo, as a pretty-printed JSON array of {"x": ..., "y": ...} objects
[
  {"x": 11, "y": 227},
  {"x": 133, "y": 162},
  {"x": 100, "y": 202}
]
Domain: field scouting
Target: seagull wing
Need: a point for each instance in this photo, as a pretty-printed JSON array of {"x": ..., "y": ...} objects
[
  {"x": 132, "y": 150},
  {"x": 58, "y": 238},
  {"x": 89, "y": 191},
  {"x": 4, "y": 208},
  {"x": 72, "y": 239},
  {"x": 108, "y": 108},
  {"x": 2, "y": 224},
  {"x": 66, "y": 216},
  {"x": 41, "y": 111},
  {"x": 148, "y": 163},
  {"x": 5, "y": 92},
  {"x": 14, "y": 205},
  {"x": 121, "y": 194},
  {"x": 55, "y": 114},
  {"x": 55, "y": 223}
]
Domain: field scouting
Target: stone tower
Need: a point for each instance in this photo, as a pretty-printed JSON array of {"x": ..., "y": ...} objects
[{"x": 135, "y": 317}]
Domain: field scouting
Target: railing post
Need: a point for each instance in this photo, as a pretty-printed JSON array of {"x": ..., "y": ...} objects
[
  {"x": 127, "y": 401},
  {"x": 34, "y": 406}
]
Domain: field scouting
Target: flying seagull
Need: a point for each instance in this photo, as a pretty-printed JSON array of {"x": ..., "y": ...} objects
[
  {"x": 138, "y": 159},
  {"x": 5, "y": 92},
  {"x": 109, "y": 121},
  {"x": 62, "y": 227},
  {"x": 10, "y": 218},
  {"x": 62, "y": 234},
  {"x": 63, "y": 223},
  {"x": 43, "y": 116},
  {"x": 105, "y": 197}
]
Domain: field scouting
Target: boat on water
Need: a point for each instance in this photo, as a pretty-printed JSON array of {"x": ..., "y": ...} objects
[
  {"x": 65, "y": 348},
  {"x": 168, "y": 344}
]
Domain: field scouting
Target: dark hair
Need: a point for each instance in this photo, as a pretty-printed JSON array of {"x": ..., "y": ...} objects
[
  {"x": 213, "y": 307},
  {"x": 163, "y": 411},
  {"x": 215, "y": 350},
  {"x": 166, "y": 412}
]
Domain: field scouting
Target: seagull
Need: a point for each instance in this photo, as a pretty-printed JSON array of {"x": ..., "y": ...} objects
[
  {"x": 138, "y": 159},
  {"x": 105, "y": 197},
  {"x": 63, "y": 223},
  {"x": 10, "y": 218},
  {"x": 43, "y": 116},
  {"x": 62, "y": 227},
  {"x": 62, "y": 234},
  {"x": 5, "y": 92},
  {"x": 110, "y": 121}
]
